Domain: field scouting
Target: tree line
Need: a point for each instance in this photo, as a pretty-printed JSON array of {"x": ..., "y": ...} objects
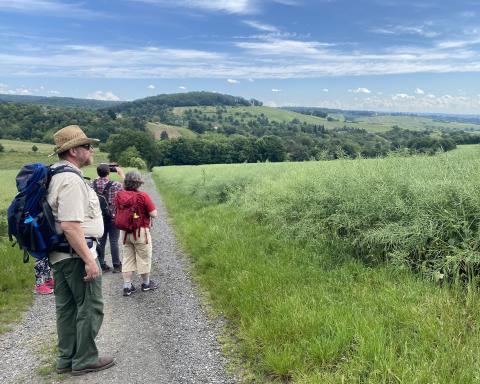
[
  {"x": 37, "y": 123},
  {"x": 212, "y": 148},
  {"x": 224, "y": 135}
]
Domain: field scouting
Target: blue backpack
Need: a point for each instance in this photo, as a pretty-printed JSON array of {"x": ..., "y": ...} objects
[{"x": 30, "y": 218}]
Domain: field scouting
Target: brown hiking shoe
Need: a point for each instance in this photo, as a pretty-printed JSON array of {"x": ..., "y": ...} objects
[
  {"x": 64, "y": 370},
  {"x": 102, "y": 363}
]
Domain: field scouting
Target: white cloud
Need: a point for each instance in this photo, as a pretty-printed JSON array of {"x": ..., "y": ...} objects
[
  {"x": 186, "y": 54},
  {"x": 100, "y": 95},
  {"x": 325, "y": 89},
  {"x": 50, "y": 7},
  {"x": 151, "y": 86},
  {"x": 402, "y": 96},
  {"x": 407, "y": 103},
  {"x": 227, "y": 6},
  {"x": 261, "y": 26},
  {"x": 232, "y": 81},
  {"x": 452, "y": 44},
  {"x": 261, "y": 57},
  {"x": 292, "y": 2},
  {"x": 448, "y": 44},
  {"x": 250, "y": 80},
  {"x": 271, "y": 104},
  {"x": 23, "y": 90},
  {"x": 269, "y": 45},
  {"x": 276, "y": 90},
  {"x": 419, "y": 91},
  {"x": 100, "y": 61},
  {"x": 420, "y": 30},
  {"x": 360, "y": 90},
  {"x": 182, "y": 88},
  {"x": 53, "y": 92}
]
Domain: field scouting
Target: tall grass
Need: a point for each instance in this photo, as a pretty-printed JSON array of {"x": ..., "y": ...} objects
[
  {"x": 421, "y": 212},
  {"x": 16, "y": 284},
  {"x": 274, "y": 245}
]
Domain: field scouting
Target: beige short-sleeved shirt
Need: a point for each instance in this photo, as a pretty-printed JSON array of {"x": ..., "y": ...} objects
[{"x": 72, "y": 199}]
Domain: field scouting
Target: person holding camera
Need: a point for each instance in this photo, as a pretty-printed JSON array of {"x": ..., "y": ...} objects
[{"x": 109, "y": 189}]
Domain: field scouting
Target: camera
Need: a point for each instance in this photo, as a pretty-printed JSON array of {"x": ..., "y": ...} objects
[{"x": 111, "y": 167}]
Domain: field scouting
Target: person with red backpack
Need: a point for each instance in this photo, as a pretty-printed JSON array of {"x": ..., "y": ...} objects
[{"x": 134, "y": 210}]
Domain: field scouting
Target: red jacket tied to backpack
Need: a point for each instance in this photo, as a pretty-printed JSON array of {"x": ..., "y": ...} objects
[{"x": 133, "y": 209}]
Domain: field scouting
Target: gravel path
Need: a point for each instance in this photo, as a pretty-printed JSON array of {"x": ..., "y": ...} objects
[{"x": 162, "y": 336}]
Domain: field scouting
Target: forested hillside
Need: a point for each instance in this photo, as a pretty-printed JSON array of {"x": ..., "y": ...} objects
[
  {"x": 67, "y": 102},
  {"x": 216, "y": 128},
  {"x": 38, "y": 122},
  {"x": 159, "y": 107}
]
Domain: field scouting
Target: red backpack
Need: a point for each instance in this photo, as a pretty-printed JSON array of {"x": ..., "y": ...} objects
[{"x": 130, "y": 213}]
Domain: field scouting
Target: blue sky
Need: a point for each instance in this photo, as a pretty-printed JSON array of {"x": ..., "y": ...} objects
[{"x": 386, "y": 55}]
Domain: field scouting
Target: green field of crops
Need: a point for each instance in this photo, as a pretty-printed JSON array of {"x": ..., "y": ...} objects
[
  {"x": 173, "y": 131},
  {"x": 352, "y": 271},
  {"x": 273, "y": 114},
  {"x": 378, "y": 123},
  {"x": 381, "y": 123}
]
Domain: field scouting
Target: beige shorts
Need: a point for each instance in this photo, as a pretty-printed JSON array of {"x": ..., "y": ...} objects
[{"x": 137, "y": 253}]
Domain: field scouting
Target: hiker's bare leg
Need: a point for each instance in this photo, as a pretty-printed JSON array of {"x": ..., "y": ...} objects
[{"x": 127, "y": 277}]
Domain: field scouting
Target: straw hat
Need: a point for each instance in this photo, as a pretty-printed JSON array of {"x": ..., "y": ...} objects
[{"x": 70, "y": 137}]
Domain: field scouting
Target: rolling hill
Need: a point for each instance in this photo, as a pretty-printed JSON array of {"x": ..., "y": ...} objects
[
  {"x": 178, "y": 108},
  {"x": 172, "y": 131},
  {"x": 53, "y": 101},
  {"x": 227, "y": 128}
]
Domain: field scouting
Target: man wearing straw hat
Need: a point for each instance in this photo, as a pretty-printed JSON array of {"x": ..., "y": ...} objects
[{"x": 78, "y": 281}]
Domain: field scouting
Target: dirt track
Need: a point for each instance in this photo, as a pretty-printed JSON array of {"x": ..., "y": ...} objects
[{"x": 159, "y": 337}]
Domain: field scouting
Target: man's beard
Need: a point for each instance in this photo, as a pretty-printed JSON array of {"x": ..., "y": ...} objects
[{"x": 88, "y": 161}]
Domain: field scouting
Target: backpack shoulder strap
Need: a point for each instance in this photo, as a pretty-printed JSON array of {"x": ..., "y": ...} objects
[
  {"x": 140, "y": 201},
  {"x": 61, "y": 169},
  {"x": 107, "y": 187}
]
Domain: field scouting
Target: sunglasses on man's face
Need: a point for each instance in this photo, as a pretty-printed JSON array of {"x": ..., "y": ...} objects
[{"x": 88, "y": 147}]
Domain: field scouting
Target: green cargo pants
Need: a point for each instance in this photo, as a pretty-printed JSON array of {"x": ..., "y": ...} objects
[{"x": 79, "y": 307}]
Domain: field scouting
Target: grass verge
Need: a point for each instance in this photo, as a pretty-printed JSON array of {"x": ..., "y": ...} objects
[
  {"x": 313, "y": 314},
  {"x": 46, "y": 355},
  {"x": 16, "y": 284}
]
